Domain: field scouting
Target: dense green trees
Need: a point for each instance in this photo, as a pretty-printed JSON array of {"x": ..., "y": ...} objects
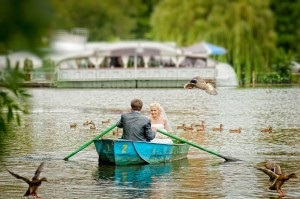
[
  {"x": 105, "y": 20},
  {"x": 245, "y": 28},
  {"x": 287, "y": 24},
  {"x": 24, "y": 24}
]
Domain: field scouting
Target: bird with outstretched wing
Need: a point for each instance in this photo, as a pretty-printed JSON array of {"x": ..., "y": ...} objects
[
  {"x": 198, "y": 82},
  {"x": 277, "y": 179},
  {"x": 34, "y": 183}
]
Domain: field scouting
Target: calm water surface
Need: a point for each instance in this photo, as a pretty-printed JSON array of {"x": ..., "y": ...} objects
[{"x": 45, "y": 135}]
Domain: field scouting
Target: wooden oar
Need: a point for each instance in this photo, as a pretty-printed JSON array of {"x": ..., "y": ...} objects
[
  {"x": 197, "y": 146},
  {"x": 89, "y": 142}
]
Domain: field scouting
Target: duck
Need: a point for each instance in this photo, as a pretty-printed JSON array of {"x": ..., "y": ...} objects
[
  {"x": 267, "y": 130},
  {"x": 277, "y": 179},
  {"x": 200, "y": 127},
  {"x": 74, "y": 125},
  {"x": 34, "y": 183},
  {"x": 219, "y": 129},
  {"x": 93, "y": 126},
  {"x": 86, "y": 123},
  {"x": 189, "y": 128},
  {"x": 181, "y": 126},
  {"x": 198, "y": 82},
  {"x": 106, "y": 121},
  {"x": 238, "y": 130},
  {"x": 272, "y": 166},
  {"x": 92, "y": 123},
  {"x": 116, "y": 132}
]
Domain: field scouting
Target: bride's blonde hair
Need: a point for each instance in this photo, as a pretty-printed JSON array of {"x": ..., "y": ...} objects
[
  {"x": 162, "y": 114},
  {"x": 156, "y": 105}
]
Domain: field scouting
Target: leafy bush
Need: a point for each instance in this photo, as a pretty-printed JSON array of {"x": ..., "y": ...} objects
[{"x": 13, "y": 98}]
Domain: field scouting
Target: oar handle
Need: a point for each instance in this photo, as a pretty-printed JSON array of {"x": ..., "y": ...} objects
[
  {"x": 197, "y": 146},
  {"x": 89, "y": 142}
]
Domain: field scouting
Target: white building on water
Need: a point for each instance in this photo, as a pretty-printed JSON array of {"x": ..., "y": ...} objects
[{"x": 133, "y": 64}]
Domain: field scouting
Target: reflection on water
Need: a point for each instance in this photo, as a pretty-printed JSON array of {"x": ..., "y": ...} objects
[
  {"x": 45, "y": 135},
  {"x": 136, "y": 179}
]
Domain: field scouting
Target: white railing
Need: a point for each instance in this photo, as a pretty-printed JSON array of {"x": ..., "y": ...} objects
[{"x": 138, "y": 74}]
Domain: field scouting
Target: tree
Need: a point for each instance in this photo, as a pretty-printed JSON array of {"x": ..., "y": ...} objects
[
  {"x": 287, "y": 25},
  {"x": 23, "y": 26},
  {"x": 105, "y": 20},
  {"x": 244, "y": 27}
]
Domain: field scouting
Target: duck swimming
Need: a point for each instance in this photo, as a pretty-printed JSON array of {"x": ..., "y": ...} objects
[
  {"x": 238, "y": 130},
  {"x": 74, "y": 125},
  {"x": 276, "y": 177},
  {"x": 267, "y": 130},
  {"x": 106, "y": 121},
  {"x": 34, "y": 183},
  {"x": 200, "y": 127},
  {"x": 86, "y": 123},
  {"x": 200, "y": 83},
  {"x": 219, "y": 129}
]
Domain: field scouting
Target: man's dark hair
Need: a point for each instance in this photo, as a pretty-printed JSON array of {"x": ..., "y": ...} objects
[{"x": 136, "y": 104}]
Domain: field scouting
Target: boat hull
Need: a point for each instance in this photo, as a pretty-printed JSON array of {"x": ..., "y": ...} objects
[{"x": 126, "y": 152}]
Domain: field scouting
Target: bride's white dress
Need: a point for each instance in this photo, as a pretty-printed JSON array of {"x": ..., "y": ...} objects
[{"x": 160, "y": 138}]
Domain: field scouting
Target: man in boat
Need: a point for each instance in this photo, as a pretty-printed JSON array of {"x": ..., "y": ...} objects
[{"x": 135, "y": 126}]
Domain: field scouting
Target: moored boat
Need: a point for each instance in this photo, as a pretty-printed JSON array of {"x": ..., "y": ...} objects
[{"x": 127, "y": 152}]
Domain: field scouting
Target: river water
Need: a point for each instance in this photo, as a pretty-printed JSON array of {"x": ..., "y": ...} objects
[{"x": 45, "y": 135}]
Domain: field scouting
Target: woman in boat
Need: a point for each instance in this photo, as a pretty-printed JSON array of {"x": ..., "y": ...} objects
[{"x": 160, "y": 121}]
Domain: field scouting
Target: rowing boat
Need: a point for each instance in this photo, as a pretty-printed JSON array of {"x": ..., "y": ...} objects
[{"x": 127, "y": 152}]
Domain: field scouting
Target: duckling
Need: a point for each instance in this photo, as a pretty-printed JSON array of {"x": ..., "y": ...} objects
[
  {"x": 267, "y": 130},
  {"x": 92, "y": 123},
  {"x": 277, "y": 178},
  {"x": 93, "y": 126},
  {"x": 200, "y": 83},
  {"x": 200, "y": 127},
  {"x": 106, "y": 121},
  {"x": 86, "y": 123},
  {"x": 238, "y": 130},
  {"x": 116, "y": 132},
  {"x": 200, "y": 130},
  {"x": 74, "y": 125},
  {"x": 189, "y": 128},
  {"x": 182, "y": 126},
  {"x": 34, "y": 183},
  {"x": 219, "y": 129}
]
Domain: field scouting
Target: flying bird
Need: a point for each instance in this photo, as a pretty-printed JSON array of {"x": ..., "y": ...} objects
[
  {"x": 34, "y": 183},
  {"x": 277, "y": 179},
  {"x": 200, "y": 83}
]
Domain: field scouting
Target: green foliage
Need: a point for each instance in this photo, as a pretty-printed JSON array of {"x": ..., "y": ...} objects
[
  {"x": 13, "y": 98},
  {"x": 105, "y": 20},
  {"x": 23, "y": 24},
  {"x": 287, "y": 24},
  {"x": 244, "y": 28},
  {"x": 281, "y": 67}
]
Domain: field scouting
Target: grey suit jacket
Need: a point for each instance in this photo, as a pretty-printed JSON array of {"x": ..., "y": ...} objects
[{"x": 136, "y": 127}]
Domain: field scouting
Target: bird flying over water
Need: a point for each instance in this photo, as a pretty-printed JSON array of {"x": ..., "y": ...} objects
[
  {"x": 198, "y": 82},
  {"x": 34, "y": 183},
  {"x": 277, "y": 179}
]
